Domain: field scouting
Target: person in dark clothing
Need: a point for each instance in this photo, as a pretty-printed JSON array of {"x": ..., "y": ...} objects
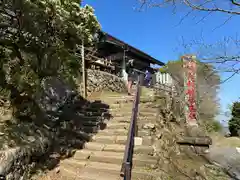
[
  {"x": 147, "y": 78},
  {"x": 130, "y": 72}
]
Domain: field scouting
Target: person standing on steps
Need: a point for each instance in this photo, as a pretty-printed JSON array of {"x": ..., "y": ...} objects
[
  {"x": 147, "y": 78},
  {"x": 130, "y": 72}
]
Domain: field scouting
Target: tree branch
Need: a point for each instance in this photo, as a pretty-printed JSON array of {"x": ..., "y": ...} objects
[
  {"x": 235, "y": 3},
  {"x": 188, "y": 3}
]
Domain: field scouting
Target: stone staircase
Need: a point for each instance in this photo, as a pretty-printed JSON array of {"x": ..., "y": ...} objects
[{"x": 101, "y": 157}]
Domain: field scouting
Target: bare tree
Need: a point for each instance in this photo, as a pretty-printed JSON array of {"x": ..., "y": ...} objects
[
  {"x": 231, "y": 7},
  {"x": 207, "y": 90},
  {"x": 224, "y": 55}
]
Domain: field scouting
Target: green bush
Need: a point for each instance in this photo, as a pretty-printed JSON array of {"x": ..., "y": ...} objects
[
  {"x": 216, "y": 126},
  {"x": 211, "y": 125}
]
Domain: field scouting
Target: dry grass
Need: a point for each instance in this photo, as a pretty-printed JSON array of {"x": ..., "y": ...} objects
[{"x": 221, "y": 141}]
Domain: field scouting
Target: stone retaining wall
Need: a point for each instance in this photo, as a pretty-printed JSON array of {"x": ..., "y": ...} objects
[
  {"x": 16, "y": 163},
  {"x": 100, "y": 81}
]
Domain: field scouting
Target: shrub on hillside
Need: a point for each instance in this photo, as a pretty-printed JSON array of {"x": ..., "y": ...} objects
[
  {"x": 212, "y": 126},
  {"x": 39, "y": 39}
]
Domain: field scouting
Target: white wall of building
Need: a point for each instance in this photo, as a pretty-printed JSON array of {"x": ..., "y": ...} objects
[{"x": 163, "y": 78}]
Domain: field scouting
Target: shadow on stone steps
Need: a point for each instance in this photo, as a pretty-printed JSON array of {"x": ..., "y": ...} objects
[{"x": 63, "y": 121}]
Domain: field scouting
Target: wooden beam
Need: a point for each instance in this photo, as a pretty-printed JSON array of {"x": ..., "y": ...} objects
[
  {"x": 114, "y": 57},
  {"x": 84, "y": 87}
]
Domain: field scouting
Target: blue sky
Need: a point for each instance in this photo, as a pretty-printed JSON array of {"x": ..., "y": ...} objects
[{"x": 159, "y": 32}]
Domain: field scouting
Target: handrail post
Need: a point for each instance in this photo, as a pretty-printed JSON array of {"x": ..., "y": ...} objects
[
  {"x": 138, "y": 99},
  {"x": 128, "y": 172}
]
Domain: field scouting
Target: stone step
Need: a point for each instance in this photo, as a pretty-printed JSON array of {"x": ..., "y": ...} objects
[
  {"x": 138, "y": 149},
  {"x": 146, "y": 100},
  {"x": 94, "y": 118},
  {"x": 111, "y": 132},
  {"x": 113, "y": 108},
  {"x": 69, "y": 173},
  {"x": 117, "y": 139},
  {"x": 149, "y": 115},
  {"x": 114, "y": 128},
  {"x": 78, "y": 134},
  {"x": 151, "y": 105},
  {"x": 119, "y": 104},
  {"x": 110, "y": 170},
  {"x": 110, "y": 126},
  {"x": 97, "y": 104},
  {"x": 123, "y": 99},
  {"x": 89, "y": 123},
  {"x": 127, "y": 119},
  {"x": 90, "y": 129},
  {"x": 94, "y": 109},
  {"x": 126, "y": 124},
  {"x": 87, "y": 174},
  {"x": 122, "y": 132},
  {"x": 100, "y": 125},
  {"x": 109, "y": 139},
  {"x": 114, "y": 158},
  {"x": 128, "y": 111},
  {"x": 120, "y": 113},
  {"x": 140, "y": 105},
  {"x": 90, "y": 115},
  {"x": 116, "y": 125},
  {"x": 120, "y": 98}
]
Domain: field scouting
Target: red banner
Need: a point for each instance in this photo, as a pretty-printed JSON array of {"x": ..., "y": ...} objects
[{"x": 189, "y": 64}]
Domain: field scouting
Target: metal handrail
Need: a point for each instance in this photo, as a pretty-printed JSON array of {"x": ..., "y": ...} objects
[{"x": 126, "y": 168}]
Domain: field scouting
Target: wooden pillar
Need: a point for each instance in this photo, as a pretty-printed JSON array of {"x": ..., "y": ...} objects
[
  {"x": 141, "y": 78},
  {"x": 84, "y": 82},
  {"x": 154, "y": 81},
  {"x": 123, "y": 65}
]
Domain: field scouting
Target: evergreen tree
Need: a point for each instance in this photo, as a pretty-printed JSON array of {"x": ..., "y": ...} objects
[{"x": 234, "y": 123}]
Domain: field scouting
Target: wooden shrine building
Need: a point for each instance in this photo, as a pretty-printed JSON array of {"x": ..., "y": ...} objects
[{"x": 117, "y": 53}]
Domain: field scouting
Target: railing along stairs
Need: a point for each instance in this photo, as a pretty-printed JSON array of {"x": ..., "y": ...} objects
[{"x": 132, "y": 132}]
